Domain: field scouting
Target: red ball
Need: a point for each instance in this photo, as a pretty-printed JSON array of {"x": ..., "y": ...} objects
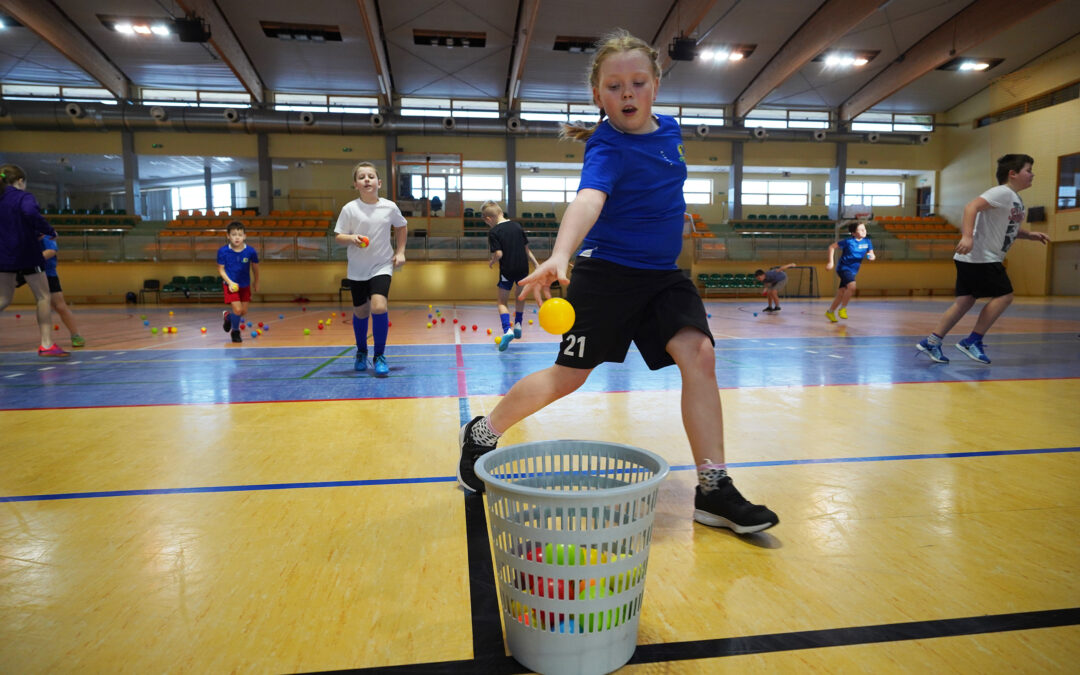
[
  {"x": 443, "y": 319},
  {"x": 455, "y": 320},
  {"x": 463, "y": 329},
  {"x": 320, "y": 326},
  {"x": 260, "y": 324},
  {"x": 18, "y": 316},
  {"x": 474, "y": 326}
]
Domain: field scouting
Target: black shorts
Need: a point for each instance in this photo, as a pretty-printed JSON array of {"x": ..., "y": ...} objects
[
  {"x": 982, "y": 280},
  {"x": 615, "y": 304},
  {"x": 507, "y": 281},
  {"x": 54, "y": 282},
  {"x": 363, "y": 290}
]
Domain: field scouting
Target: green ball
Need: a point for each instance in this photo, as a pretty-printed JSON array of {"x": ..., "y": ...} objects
[
  {"x": 307, "y": 331},
  {"x": 153, "y": 331}
]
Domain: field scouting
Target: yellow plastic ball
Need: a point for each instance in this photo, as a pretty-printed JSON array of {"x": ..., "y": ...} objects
[
  {"x": 557, "y": 316},
  {"x": 498, "y": 339}
]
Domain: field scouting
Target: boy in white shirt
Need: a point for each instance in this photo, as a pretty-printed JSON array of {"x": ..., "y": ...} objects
[
  {"x": 364, "y": 226},
  {"x": 991, "y": 223}
]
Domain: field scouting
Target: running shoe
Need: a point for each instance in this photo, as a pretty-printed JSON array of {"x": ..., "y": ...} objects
[
  {"x": 726, "y": 507},
  {"x": 54, "y": 351},
  {"x": 974, "y": 351},
  {"x": 933, "y": 351},
  {"x": 381, "y": 368}
]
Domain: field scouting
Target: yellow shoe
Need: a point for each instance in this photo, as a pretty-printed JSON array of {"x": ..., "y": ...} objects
[
  {"x": 843, "y": 312},
  {"x": 832, "y": 317}
]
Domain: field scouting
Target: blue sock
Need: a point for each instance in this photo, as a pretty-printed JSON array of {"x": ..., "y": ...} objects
[
  {"x": 380, "y": 326},
  {"x": 359, "y": 329},
  {"x": 235, "y": 319},
  {"x": 934, "y": 339},
  {"x": 517, "y": 317},
  {"x": 973, "y": 338},
  {"x": 505, "y": 318}
]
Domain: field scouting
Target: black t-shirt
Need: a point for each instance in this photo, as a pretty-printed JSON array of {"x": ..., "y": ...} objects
[{"x": 509, "y": 238}]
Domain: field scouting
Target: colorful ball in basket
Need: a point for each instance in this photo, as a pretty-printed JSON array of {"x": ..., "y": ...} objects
[{"x": 556, "y": 316}]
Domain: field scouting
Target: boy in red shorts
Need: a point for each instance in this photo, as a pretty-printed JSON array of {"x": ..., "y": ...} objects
[{"x": 238, "y": 265}]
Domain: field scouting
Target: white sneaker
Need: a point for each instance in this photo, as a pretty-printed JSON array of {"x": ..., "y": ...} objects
[
  {"x": 507, "y": 338},
  {"x": 517, "y": 330}
]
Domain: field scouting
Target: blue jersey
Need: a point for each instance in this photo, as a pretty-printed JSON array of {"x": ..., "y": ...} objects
[
  {"x": 238, "y": 263},
  {"x": 642, "y": 175},
  {"x": 49, "y": 244},
  {"x": 852, "y": 252}
]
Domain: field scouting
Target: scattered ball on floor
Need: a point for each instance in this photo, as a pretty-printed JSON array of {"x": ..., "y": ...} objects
[
  {"x": 307, "y": 331},
  {"x": 203, "y": 329}
]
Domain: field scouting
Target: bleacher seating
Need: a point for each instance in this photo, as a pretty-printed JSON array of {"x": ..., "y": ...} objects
[
  {"x": 916, "y": 227},
  {"x": 86, "y": 219},
  {"x": 277, "y": 224},
  {"x": 728, "y": 283}
]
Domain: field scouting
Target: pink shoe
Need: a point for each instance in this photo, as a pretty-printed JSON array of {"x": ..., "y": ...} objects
[{"x": 53, "y": 351}]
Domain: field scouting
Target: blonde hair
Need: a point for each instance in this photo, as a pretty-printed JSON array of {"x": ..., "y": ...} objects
[
  {"x": 491, "y": 209},
  {"x": 362, "y": 165},
  {"x": 11, "y": 174},
  {"x": 618, "y": 41}
]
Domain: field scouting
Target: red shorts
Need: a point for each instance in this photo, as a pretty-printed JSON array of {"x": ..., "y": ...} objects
[{"x": 242, "y": 295}]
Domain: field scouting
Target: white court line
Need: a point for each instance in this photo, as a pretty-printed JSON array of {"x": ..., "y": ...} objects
[
  {"x": 13, "y": 375},
  {"x": 47, "y": 368},
  {"x": 810, "y": 351},
  {"x": 96, "y": 358},
  {"x": 834, "y": 356}
]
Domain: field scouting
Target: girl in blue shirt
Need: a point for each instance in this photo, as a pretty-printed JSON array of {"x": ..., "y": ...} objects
[
  {"x": 625, "y": 224},
  {"x": 852, "y": 252}
]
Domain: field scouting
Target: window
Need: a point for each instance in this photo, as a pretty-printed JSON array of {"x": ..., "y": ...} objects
[
  {"x": 193, "y": 197},
  {"x": 482, "y": 188},
  {"x": 39, "y": 92},
  {"x": 447, "y": 107},
  {"x": 698, "y": 191},
  {"x": 429, "y": 186},
  {"x": 561, "y": 189},
  {"x": 872, "y": 121},
  {"x": 787, "y": 119},
  {"x": 1068, "y": 182},
  {"x": 324, "y": 103},
  {"x": 776, "y": 192},
  {"x": 870, "y": 194},
  {"x": 193, "y": 98}
]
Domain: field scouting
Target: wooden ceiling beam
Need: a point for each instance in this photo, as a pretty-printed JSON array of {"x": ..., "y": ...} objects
[
  {"x": 370, "y": 15},
  {"x": 529, "y": 11},
  {"x": 55, "y": 28},
  {"x": 683, "y": 19},
  {"x": 832, "y": 21},
  {"x": 971, "y": 26},
  {"x": 227, "y": 45}
]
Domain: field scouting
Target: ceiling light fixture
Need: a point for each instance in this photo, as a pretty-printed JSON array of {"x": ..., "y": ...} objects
[
  {"x": 847, "y": 58},
  {"x": 971, "y": 64},
  {"x": 728, "y": 53}
]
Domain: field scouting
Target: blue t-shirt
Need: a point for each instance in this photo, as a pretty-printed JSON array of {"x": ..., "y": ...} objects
[
  {"x": 642, "y": 175},
  {"x": 237, "y": 263},
  {"x": 852, "y": 252},
  {"x": 49, "y": 244}
]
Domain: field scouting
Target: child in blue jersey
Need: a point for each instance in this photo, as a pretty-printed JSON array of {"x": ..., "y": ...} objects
[
  {"x": 49, "y": 251},
  {"x": 238, "y": 266},
  {"x": 852, "y": 252},
  {"x": 626, "y": 226},
  {"x": 991, "y": 223},
  {"x": 510, "y": 248}
]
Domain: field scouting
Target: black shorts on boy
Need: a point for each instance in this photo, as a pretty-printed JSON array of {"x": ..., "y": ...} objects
[
  {"x": 615, "y": 305},
  {"x": 982, "y": 280},
  {"x": 363, "y": 290}
]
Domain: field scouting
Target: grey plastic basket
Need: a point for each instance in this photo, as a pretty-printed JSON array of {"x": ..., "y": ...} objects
[{"x": 571, "y": 523}]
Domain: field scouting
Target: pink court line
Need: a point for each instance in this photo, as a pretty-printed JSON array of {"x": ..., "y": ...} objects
[{"x": 461, "y": 382}]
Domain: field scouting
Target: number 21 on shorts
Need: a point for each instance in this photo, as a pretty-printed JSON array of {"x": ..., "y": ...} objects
[{"x": 573, "y": 342}]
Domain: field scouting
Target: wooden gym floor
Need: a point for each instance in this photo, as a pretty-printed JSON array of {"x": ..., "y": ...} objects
[{"x": 175, "y": 503}]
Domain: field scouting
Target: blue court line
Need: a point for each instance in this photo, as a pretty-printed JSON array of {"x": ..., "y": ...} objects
[{"x": 453, "y": 479}]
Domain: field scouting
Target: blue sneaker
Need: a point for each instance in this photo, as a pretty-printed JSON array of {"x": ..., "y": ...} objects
[
  {"x": 933, "y": 351},
  {"x": 360, "y": 365},
  {"x": 381, "y": 369},
  {"x": 974, "y": 351},
  {"x": 507, "y": 338},
  {"x": 517, "y": 330}
]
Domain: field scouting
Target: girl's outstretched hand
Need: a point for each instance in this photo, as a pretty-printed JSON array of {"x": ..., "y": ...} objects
[{"x": 538, "y": 284}]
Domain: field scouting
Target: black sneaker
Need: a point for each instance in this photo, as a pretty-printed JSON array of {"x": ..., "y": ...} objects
[
  {"x": 776, "y": 309},
  {"x": 227, "y": 325},
  {"x": 236, "y": 336},
  {"x": 470, "y": 452},
  {"x": 725, "y": 507},
  {"x": 767, "y": 309}
]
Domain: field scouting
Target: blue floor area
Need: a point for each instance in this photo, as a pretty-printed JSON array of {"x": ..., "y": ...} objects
[{"x": 243, "y": 375}]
